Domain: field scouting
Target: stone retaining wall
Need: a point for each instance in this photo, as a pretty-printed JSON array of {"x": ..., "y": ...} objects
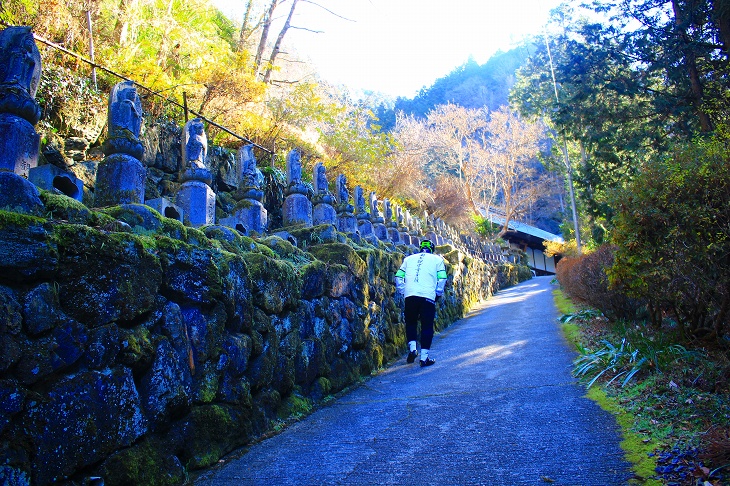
[{"x": 135, "y": 349}]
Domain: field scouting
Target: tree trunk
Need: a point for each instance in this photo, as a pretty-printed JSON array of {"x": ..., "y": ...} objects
[
  {"x": 243, "y": 35},
  {"x": 268, "y": 18},
  {"x": 122, "y": 24},
  {"x": 690, "y": 59},
  {"x": 279, "y": 40}
]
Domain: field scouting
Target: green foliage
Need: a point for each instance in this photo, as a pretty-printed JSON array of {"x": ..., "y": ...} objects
[
  {"x": 625, "y": 360},
  {"x": 484, "y": 227},
  {"x": 583, "y": 314},
  {"x": 673, "y": 237},
  {"x": 355, "y": 145},
  {"x": 626, "y": 89}
]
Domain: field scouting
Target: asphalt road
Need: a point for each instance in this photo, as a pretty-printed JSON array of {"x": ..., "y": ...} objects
[{"x": 499, "y": 407}]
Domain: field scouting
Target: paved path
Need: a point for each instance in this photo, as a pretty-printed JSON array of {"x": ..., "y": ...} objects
[{"x": 499, "y": 407}]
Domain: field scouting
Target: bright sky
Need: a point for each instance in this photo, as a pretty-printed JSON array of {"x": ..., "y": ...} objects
[{"x": 399, "y": 46}]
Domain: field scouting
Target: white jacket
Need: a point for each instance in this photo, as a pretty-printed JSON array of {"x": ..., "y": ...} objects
[{"x": 421, "y": 274}]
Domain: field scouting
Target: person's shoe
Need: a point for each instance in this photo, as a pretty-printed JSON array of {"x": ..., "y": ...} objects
[
  {"x": 427, "y": 362},
  {"x": 412, "y": 356}
]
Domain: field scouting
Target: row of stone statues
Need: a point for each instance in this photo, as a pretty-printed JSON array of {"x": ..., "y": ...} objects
[{"x": 120, "y": 177}]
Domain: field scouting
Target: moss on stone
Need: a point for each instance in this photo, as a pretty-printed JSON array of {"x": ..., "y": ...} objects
[
  {"x": 137, "y": 349},
  {"x": 275, "y": 282},
  {"x": 206, "y": 383},
  {"x": 196, "y": 237},
  {"x": 144, "y": 463},
  {"x": 314, "y": 279},
  {"x": 342, "y": 254},
  {"x": 60, "y": 206},
  {"x": 294, "y": 406},
  {"x": 103, "y": 220},
  {"x": 316, "y": 235},
  {"x": 242, "y": 204},
  {"x": 209, "y": 426},
  {"x": 286, "y": 251},
  {"x": 174, "y": 228},
  {"x": 10, "y": 218}
]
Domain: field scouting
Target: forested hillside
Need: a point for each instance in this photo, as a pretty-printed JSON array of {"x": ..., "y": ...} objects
[{"x": 470, "y": 85}]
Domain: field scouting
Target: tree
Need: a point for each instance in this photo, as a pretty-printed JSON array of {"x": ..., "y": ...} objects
[
  {"x": 673, "y": 237},
  {"x": 510, "y": 163},
  {"x": 268, "y": 19},
  {"x": 453, "y": 134},
  {"x": 245, "y": 28},
  {"x": 279, "y": 39},
  {"x": 647, "y": 75},
  {"x": 403, "y": 173}
]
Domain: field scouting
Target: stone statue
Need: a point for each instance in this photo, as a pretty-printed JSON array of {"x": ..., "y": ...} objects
[
  {"x": 324, "y": 211},
  {"x": 195, "y": 149},
  {"x": 125, "y": 121},
  {"x": 388, "y": 212},
  {"x": 120, "y": 178},
  {"x": 249, "y": 215},
  {"x": 346, "y": 221},
  {"x": 20, "y": 73},
  {"x": 343, "y": 195},
  {"x": 297, "y": 208},
  {"x": 374, "y": 211},
  {"x": 360, "y": 202},
  {"x": 250, "y": 175},
  {"x": 320, "y": 179},
  {"x": 293, "y": 168}
]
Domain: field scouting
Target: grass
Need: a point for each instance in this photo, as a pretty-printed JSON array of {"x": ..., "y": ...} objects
[{"x": 671, "y": 401}]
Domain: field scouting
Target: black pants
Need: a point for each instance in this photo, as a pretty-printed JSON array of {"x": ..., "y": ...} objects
[{"x": 425, "y": 310}]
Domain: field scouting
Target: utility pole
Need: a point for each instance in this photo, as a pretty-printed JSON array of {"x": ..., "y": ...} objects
[
  {"x": 91, "y": 47},
  {"x": 566, "y": 159}
]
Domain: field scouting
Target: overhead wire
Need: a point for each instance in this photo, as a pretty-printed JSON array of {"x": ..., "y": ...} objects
[{"x": 94, "y": 64}]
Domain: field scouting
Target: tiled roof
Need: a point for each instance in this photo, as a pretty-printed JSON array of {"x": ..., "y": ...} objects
[{"x": 527, "y": 229}]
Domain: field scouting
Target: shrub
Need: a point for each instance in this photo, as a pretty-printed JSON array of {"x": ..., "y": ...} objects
[
  {"x": 584, "y": 278},
  {"x": 672, "y": 233}
]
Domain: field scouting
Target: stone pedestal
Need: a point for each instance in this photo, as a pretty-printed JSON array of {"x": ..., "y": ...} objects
[
  {"x": 394, "y": 235},
  {"x": 365, "y": 227},
  {"x": 346, "y": 222},
  {"x": 250, "y": 216},
  {"x": 432, "y": 236},
  {"x": 297, "y": 210},
  {"x": 380, "y": 231},
  {"x": 166, "y": 208},
  {"x": 119, "y": 180},
  {"x": 405, "y": 238},
  {"x": 324, "y": 214},
  {"x": 19, "y": 144},
  {"x": 50, "y": 177},
  {"x": 197, "y": 201}
]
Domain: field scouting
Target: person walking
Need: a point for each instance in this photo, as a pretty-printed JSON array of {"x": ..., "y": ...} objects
[{"x": 421, "y": 279}]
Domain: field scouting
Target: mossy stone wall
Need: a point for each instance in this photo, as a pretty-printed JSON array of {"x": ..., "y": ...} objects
[{"x": 138, "y": 350}]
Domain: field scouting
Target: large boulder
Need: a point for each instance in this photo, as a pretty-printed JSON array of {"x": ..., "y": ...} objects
[
  {"x": 81, "y": 420},
  {"x": 105, "y": 277},
  {"x": 275, "y": 283}
]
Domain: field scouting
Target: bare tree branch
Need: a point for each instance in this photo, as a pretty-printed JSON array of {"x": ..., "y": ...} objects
[
  {"x": 328, "y": 10},
  {"x": 304, "y": 28}
]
